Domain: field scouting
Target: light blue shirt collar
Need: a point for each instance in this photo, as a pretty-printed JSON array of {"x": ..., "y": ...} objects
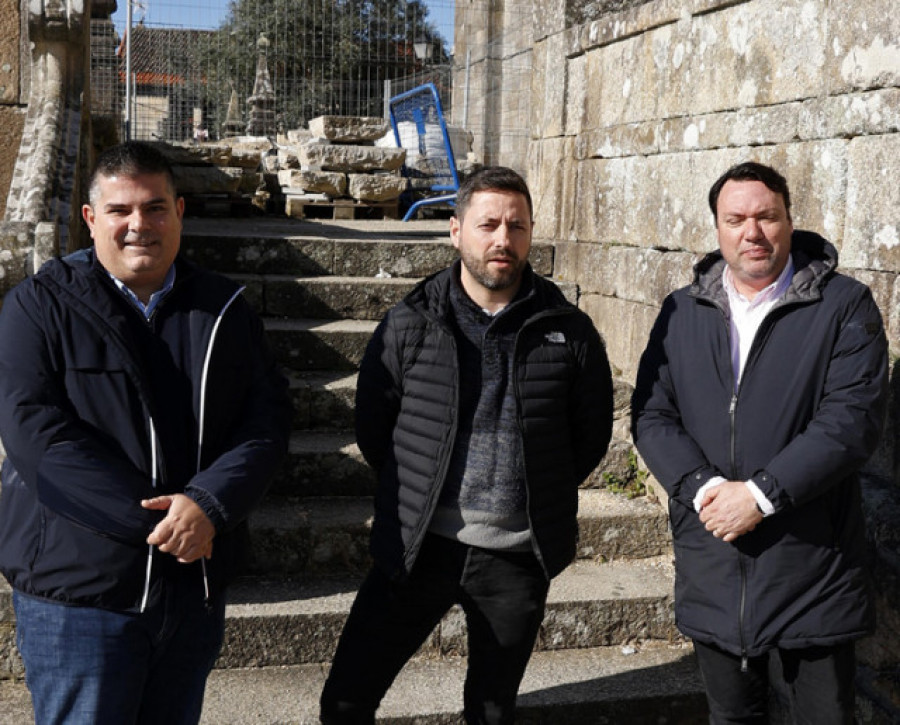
[{"x": 155, "y": 298}]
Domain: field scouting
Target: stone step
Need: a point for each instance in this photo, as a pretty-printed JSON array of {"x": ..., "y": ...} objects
[
  {"x": 285, "y": 622},
  {"x": 323, "y": 401},
  {"x": 327, "y": 535},
  {"x": 657, "y": 683},
  {"x": 323, "y": 463},
  {"x": 363, "y": 248},
  {"x": 327, "y": 298},
  {"x": 304, "y": 345}
]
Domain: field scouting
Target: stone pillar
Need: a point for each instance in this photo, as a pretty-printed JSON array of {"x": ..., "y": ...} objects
[
  {"x": 233, "y": 124},
  {"x": 55, "y": 148},
  {"x": 262, "y": 102}
]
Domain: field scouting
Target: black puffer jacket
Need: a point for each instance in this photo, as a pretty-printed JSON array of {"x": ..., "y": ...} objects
[
  {"x": 807, "y": 415},
  {"x": 406, "y": 416},
  {"x": 77, "y": 420}
]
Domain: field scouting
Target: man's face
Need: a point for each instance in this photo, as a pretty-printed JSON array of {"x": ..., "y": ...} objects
[
  {"x": 135, "y": 222},
  {"x": 493, "y": 239},
  {"x": 754, "y": 232}
]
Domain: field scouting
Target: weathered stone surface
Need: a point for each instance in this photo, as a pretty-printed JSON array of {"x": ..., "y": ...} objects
[
  {"x": 348, "y": 129},
  {"x": 612, "y": 270},
  {"x": 16, "y": 250},
  {"x": 625, "y": 327},
  {"x": 246, "y": 158},
  {"x": 549, "y": 88},
  {"x": 872, "y": 238},
  {"x": 332, "y": 157},
  {"x": 296, "y": 136},
  {"x": 857, "y": 114},
  {"x": 375, "y": 187},
  {"x": 551, "y": 171},
  {"x": 218, "y": 154},
  {"x": 865, "y": 45},
  {"x": 207, "y": 179},
  {"x": 319, "y": 182},
  {"x": 644, "y": 202}
]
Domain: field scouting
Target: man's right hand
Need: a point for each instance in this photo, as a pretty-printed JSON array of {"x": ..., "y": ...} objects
[{"x": 729, "y": 510}]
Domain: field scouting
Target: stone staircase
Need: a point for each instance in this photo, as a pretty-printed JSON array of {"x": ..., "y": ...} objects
[{"x": 608, "y": 651}]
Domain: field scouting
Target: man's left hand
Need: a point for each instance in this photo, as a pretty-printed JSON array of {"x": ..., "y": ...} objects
[
  {"x": 186, "y": 532},
  {"x": 729, "y": 510}
]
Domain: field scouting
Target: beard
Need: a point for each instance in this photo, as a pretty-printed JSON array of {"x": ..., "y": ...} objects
[{"x": 493, "y": 279}]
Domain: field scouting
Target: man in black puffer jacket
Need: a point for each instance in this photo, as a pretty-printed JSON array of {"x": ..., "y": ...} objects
[
  {"x": 760, "y": 395},
  {"x": 143, "y": 416},
  {"x": 484, "y": 400}
]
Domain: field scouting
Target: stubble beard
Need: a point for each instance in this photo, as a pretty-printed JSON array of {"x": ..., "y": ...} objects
[{"x": 496, "y": 281}]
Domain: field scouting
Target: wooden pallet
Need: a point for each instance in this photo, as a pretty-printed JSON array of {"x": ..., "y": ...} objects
[{"x": 316, "y": 207}]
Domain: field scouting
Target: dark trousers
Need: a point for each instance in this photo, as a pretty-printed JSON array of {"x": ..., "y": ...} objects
[
  {"x": 817, "y": 683},
  {"x": 503, "y": 596}
]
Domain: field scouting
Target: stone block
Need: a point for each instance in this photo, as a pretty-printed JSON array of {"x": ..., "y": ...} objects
[
  {"x": 549, "y": 165},
  {"x": 250, "y": 181},
  {"x": 348, "y": 129},
  {"x": 631, "y": 273},
  {"x": 646, "y": 202},
  {"x": 855, "y": 114},
  {"x": 246, "y": 158},
  {"x": 375, "y": 187},
  {"x": 549, "y": 87},
  {"x": 332, "y": 157},
  {"x": 317, "y": 182},
  {"x": 576, "y": 95},
  {"x": 625, "y": 327},
  {"x": 865, "y": 45},
  {"x": 207, "y": 179},
  {"x": 217, "y": 154},
  {"x": 872, "y": 238}
]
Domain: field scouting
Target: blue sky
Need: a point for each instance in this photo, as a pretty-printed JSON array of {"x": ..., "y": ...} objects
[{"x": 208, "y": 14}]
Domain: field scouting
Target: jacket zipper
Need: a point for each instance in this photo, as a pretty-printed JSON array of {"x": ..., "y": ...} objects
[
  {"x": 201, "y": 423},
  {"x": 741, "y": 562}
]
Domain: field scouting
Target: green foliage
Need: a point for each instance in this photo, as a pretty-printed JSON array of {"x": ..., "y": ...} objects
[{"x": 632, "y": 483}]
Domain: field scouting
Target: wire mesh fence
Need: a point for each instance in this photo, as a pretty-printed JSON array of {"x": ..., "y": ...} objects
[
  {"x": 190, "y": 69},
  {"x": 181, "y": 67}
]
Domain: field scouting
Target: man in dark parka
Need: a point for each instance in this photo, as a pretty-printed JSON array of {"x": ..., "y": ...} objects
[{"x": 760, "y": 395}]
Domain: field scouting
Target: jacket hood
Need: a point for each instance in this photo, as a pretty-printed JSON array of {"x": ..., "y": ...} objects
[
  {"x": 432, "y": 295},
  {"x": 815, "y": 259}
]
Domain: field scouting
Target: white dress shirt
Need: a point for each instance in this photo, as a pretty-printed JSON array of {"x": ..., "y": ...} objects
[{"x": 746, "y": 317}]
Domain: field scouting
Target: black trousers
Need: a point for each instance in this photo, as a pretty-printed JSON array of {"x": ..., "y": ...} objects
[
  {"x": 503, "y": 595},
  {"x": 817, "y": 683}
]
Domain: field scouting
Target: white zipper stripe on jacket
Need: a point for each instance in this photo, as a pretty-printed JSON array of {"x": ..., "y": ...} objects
[
  {"x": 153, "y": 479},
  {"x": 202, "y": 422}
]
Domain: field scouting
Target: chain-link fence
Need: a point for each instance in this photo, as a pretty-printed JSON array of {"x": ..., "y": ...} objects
[{"x": 203, "y": 68}]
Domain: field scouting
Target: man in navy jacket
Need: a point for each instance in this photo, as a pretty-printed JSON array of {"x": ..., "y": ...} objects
[
  {"x": 760, "y": 395},
  {"x": 142, "y": 416}
]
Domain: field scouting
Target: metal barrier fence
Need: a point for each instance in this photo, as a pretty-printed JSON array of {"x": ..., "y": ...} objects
[{"x": 206, "y": 68}]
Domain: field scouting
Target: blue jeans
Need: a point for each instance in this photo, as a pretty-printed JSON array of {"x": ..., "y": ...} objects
[
  {"x": 85, "y": 665},
  {"x": 503, "y": 596}
]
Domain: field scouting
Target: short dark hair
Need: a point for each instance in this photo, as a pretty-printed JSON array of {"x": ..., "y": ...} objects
[
  {"x": 491, "y": 178},
  {"x": 130, "y": 159},
  {"x": 751, "y": 171}
]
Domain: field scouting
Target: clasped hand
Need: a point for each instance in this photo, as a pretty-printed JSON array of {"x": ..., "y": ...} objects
[
  {"x": 186, "y": 532},
  {"x": 729, "y": 510}
]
